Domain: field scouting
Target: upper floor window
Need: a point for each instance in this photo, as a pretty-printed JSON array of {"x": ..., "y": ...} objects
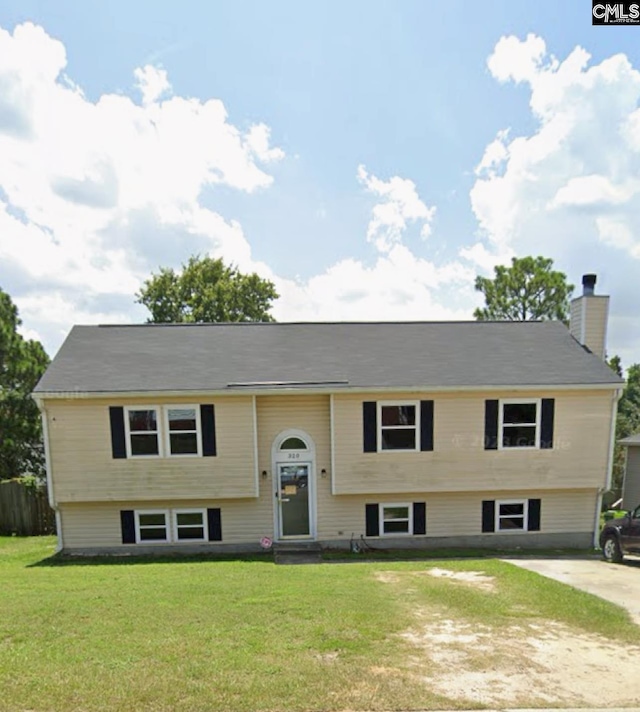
[
  {"x": 183, "y": 426},
  {"x": 519, "y": 424},
  {"x": 398, "y": 426},
  {"x": 142, "y": 432},
  {"x": 163, "y": 431}
]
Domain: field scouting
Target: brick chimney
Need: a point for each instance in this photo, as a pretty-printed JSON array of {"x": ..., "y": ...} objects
[{"x": 589, "y": 316}]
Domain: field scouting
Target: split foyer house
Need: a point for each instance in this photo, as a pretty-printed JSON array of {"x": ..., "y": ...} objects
[{"x": 212, "y": 437}]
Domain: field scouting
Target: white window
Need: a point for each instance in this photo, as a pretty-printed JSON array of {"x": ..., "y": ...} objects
[
  {"x": 142, "y": 423},
  {"x": 512, "y": 515},
  {"x": 165, "y": 526},
  {"x": 183, "y": 430},
  {"x": 396, "y": 519},
  {"x": 151, "y": 526},
  {"x": 398, "y": 426},
  {"x": 519, "y": 425},
  {"x": 189, "y": 525}
]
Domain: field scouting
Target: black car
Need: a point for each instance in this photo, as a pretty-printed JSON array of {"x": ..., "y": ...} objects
[{"x": 621, "y": 536}]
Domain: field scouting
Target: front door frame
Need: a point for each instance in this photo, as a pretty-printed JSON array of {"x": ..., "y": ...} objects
[{"x": 291, "y": 457}]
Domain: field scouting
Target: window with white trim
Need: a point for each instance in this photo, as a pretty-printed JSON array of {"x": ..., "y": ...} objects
[
  {"x": 166, "y": 526},
  {"x": 519, "y": 425},
  {"x": 189, "y": 525},
  {"x": 396, "y": 519},
  {"x": 152, "y": 526},
  {"x": 142, "y": 428},
  {"x": 398, "y": 426},
  {"x": 512, "y": 515},
  {"x": 183, "y": 430}
]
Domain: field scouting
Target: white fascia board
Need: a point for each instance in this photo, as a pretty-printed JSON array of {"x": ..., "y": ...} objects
[{"x": 85, "y": 395}]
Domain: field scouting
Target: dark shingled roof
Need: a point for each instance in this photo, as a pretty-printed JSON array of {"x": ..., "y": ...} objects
[{"x": 210, "y": 357}]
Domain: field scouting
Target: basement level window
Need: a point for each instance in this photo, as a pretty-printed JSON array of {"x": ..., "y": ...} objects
[
  {"x": 511, "y": 516},
  {"x": 152, "y": 526},
  {"x": 395, "y": 519}
]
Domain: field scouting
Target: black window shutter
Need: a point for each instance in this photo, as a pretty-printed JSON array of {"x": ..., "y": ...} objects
[
  {"x": 491, "y": 425},
  {"x": 534, "y": 515},
  {"x": 369, "y": 427},
  {"x": 426, "y": 425},
  {"x": 546, "y": 423},
  {"x": 419, "y": 518},
  {"x": 488, "y": 515},
  {"x": 208, "y": 425},
  {"x": 118, "y": 444},
  {"x": 128, "y": 526},
  {"x": 372, "y": 520},
  {"x": 214, "y": 521}
]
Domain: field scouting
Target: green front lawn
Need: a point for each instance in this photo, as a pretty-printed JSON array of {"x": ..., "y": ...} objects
[{"x": 245, "y": 635}]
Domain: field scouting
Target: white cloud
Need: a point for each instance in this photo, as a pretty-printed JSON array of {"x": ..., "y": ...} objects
[
  {"x": 152, "y": 82},
  {"x": 569, "y": 189},
  {"x": 398, "y": 285},
  {"x": 400, "y": 205},
  {"x": 517, "y": 60},
  {"x": 258, "y": 140}
]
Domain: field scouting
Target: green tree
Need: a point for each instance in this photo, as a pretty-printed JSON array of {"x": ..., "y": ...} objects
[
  {"x": 22, "y": 363},
  {"x": 628, "y": 419},
  {"x": 206, "y": 290},
  {"x": 529, "y": 289}
]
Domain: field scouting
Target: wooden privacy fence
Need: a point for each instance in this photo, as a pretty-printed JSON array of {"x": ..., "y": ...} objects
[{"x": 25, "y": 510}]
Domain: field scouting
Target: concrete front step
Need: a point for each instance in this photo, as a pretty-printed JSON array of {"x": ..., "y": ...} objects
[{"x": 298, "y": 552}]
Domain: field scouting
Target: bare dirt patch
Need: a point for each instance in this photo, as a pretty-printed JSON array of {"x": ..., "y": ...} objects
[
  {"x": 477, "y": 579},
  {"x": 532, "y": 664}
]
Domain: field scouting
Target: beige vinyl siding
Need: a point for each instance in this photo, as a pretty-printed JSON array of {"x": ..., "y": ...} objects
[
  {"x": 87, "y": 526},
  {"x": 83, "y": 469},
  {"x": 460, "y": 514},
  {"x": 575, "y": 319},
  {"x": 307, "y": 413},
  {"x": 595, "y": 324},
  {"x": 589, "y": 316},
  {"x": 459, "y": 462},
  {"x": 631, "y": 491}
]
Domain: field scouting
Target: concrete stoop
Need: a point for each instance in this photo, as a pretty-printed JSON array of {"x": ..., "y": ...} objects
[{"x": 297, "y": 552}]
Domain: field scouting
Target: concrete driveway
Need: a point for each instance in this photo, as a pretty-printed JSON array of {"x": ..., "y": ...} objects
[{"x": 618, "y": 583}]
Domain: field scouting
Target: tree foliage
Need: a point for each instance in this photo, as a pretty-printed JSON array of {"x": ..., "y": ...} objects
[
  {"x": 628, "y": 420},
  {"x": 527, "y": 290},
  {"x": 206, "y": 290},
  {"x": 22, "y": 363}
]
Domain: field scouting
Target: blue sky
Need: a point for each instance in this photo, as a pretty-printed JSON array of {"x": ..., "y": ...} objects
[{"x": 405, "y": 90}]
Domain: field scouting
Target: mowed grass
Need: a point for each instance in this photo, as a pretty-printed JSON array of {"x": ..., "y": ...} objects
[{"x": 245, "y": 635}]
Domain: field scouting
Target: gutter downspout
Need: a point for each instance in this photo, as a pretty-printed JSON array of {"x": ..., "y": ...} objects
[
  {"x": 612, "y": 444},
  {"x": 47, "y": 459}
]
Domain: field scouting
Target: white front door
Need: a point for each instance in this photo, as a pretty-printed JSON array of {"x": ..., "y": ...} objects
[{"x": 294, "y": 500}]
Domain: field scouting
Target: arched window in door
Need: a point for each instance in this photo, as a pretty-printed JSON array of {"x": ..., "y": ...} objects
[{"x": 294, "y": 443}]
